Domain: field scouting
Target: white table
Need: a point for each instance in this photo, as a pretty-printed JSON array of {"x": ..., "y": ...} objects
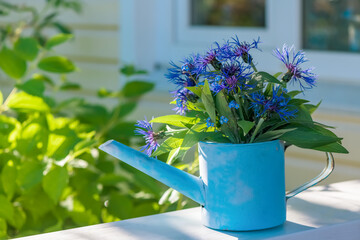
[{"x": 324, "y": 212}]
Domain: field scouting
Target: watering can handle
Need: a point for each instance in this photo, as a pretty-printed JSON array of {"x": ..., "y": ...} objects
[{"x": 330, "y": 164}]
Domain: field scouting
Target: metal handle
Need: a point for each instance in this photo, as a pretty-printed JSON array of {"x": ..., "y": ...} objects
[{"x": 330, "y": 164}]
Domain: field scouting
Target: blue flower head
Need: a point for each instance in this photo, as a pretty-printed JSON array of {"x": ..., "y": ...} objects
[
  {"x": 242, "y": 49},
  {"x": 305, "y": 78},
  {"x": 233, "y": 104},
  {"x": 223, "y": 120},
  {"x": 278, "y": 103},
  {"x": 145, "y": 128},
  {"x": 209, "y": 123}
]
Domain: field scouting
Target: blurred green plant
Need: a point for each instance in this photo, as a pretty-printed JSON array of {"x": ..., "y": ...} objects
[
  {"x": 52, "y": 176},
  {"x": 35, "y": 19}
]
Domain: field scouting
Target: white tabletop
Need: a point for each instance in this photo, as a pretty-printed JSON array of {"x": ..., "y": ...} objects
[{"x": 324, "y": 212}]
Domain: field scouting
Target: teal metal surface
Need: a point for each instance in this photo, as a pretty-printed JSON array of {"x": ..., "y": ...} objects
[{"x": 241, "y": 186}]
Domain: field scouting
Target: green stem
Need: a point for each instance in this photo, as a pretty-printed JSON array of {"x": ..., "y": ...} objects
[
  {"x": 257, "y": 129},
  {"x": 253, "y": 66},
  {"x": 178, "y": 206},
  {"x": 237, "y": 100},
  {"x": 3, "y": 107}
]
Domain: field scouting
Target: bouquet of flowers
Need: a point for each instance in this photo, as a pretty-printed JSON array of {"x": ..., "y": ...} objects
[{"x": 222, "y": 97}]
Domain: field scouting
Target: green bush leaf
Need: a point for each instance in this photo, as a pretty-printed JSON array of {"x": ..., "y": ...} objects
[
  {"x": 3, "y": 229},
  {"x": 30, "y": 173},
  {"x": 130, "y": 70},
  {"x": 1, "y": 98},
  {"x": 57, "y": 40},
  {"x": 246, "y": 126},
  {"x": 70, "y": 86},
  {"x": 120, "y": 206},
  {"x": 55, "y": 181},
  {"x": 19, "y": 218},
  {"x": 136, "y": 88},
  {"x": 37, "y": 202},
  {"x": 124, "y": 109},
  {"x": 11, "y": 64},
  {"x": 8, "y": 179},
  {"x": 33, "y": 87},
  {"x": 6, "y": 209},
  {"x": 27, "y": 48},
  {"x": 22, "y": 101},
  {"x": 43, "y": 78},
  {"x": 56, "y": 64},
  {"x": 176, "y": 120}
]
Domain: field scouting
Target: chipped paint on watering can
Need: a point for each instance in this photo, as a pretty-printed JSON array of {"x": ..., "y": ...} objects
[
  {"x": 244, "y": 185},
  {"x": 241, "y": 186}
]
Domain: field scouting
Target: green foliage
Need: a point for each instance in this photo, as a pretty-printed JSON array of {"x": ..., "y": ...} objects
[{"x": 52, "y": 176}]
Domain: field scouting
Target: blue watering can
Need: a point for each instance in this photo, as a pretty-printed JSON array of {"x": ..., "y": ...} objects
[{"x": 241, "y": 186}]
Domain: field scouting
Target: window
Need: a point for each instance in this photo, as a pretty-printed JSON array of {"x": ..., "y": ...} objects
[
  {"x": 331, "y": 25},
  {"x": 245, "y": 13}
]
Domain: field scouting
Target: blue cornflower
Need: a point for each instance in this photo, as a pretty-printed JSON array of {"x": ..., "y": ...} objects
[
  {"x": 209, "y": 123},
  {"x": 235, "y": 75},
  {"x": 151, "y": 138},
  {"x": 242, "y": 48},
  {"x": 223, "y": 120},
  {"x": 278, "y": 103},
  {"x": 186, "y": 74},
  {"x": 182, "y": 96},
  {"x": 306, "y": 78},
  {"x": 233, "y": 104}
]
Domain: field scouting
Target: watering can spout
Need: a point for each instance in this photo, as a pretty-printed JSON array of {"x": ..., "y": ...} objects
[{"x": 181, "y": 181}]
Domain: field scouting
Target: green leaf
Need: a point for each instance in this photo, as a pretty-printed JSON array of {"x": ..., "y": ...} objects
[
  {"x": 246, "y": 126},
  {"x": 170, "y": 143},
  {"x": 61, "y": 27},
  {"x": 37, "y": 202},
  {"x": 57, "y": 40},
  {"x": 19, "y": 218},
  {"x": 43, "y": 78},
  {"x": 27, "y": 48},
  {"x": 196, "y": 90},
  {"x": 306, "y": 137},
  {"x": 136, "y": 88},
  {"x": 294, "y": 93},
  {"x": 8, "y": 179},
  {"x": 297, "y": 101},
  {"x": 56, "y": 64},
  {"x": 172, "y": 155},
  {"x": 8, "y": 131},
  {"x": 6, "y": 209},
  {"x": 332, "y": 147},
  {"x": 120, "y": 206},
  {"x": 11, "y": 64},
  {"x": 302, "y": 113},
  {"x": 55, "y": 181},
  {"x": 130, "y": 70},
  {"x": 276, "y": 75},
  {"x": 264, "y": 76},
  {"x": 30, "y": 173},
  {"x": 3, "y": 229},
  {"x": 176, "y": 120},
  {"x": 312, "y": 108},
  {"x": 124, "y": 109},
  {"x": 33, "y": 87},
  {"x": 208, "y": 101},
  {"x": 230, "y": 128},
  {"x": 22, "y": 101},
  {"x": 1, "y": 98},
  {"x": 91, "y": 113},
  {"x": 272, "y": 135}
]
